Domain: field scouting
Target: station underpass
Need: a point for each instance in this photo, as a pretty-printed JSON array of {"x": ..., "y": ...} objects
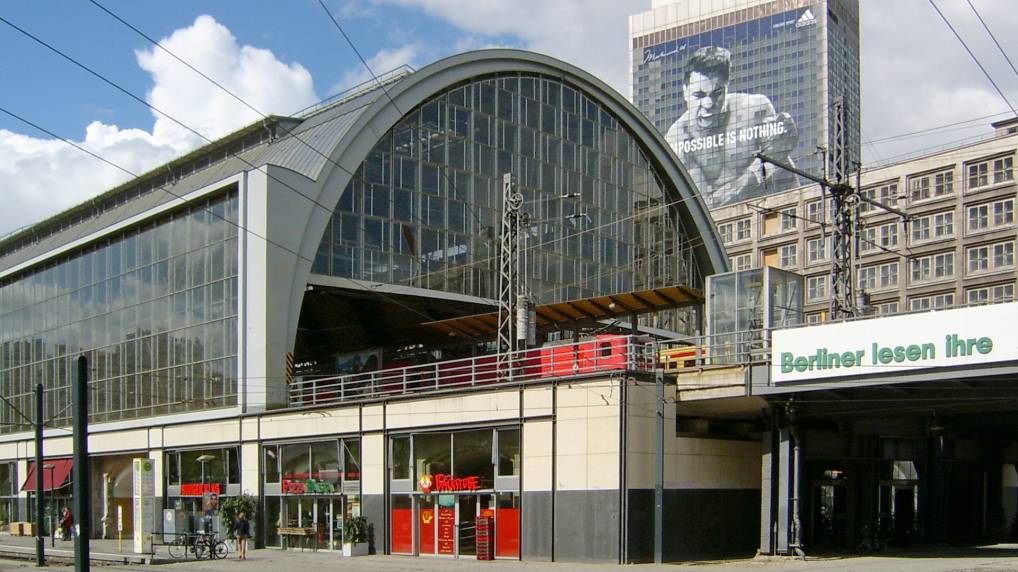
[{"x": 904, "y": 455}]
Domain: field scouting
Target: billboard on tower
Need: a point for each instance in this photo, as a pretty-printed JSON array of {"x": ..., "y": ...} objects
[{"x": 750, "y": 84}]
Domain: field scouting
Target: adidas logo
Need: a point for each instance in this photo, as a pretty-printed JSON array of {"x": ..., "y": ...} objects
[{"x": 807, "y": 19}]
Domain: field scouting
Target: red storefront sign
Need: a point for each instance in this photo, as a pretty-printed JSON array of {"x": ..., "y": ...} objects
[
  {"x": 443, "y": 483},
  {"x": 446, "y": 530},
  {"x": 309, "y": 486},
  {"x": 199, "y": 489}
]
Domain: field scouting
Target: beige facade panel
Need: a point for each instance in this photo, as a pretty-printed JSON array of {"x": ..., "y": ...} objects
[
  {"x": 251, "y": 467},
  {"x": 310, "y": 423},
  {"x": 199, "y": 434},
  {"x": 537, "y": 449},
  {"x": 471, "y": 408},
  {"x": 373, "y": 418},
  {"x": 373, "y": 453},
  {"x": 136, "y": 440},
  {"x": 537, "y": 401}
]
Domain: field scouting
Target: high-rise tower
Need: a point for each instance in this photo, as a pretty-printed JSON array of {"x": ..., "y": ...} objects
[{"x": 724, "y": 79}]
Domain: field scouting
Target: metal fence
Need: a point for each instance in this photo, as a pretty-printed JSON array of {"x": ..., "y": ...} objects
[{"x": 596, "y": 356}]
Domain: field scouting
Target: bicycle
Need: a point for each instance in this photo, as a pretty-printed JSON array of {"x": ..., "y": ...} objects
[{"x": 201, "y": 545}]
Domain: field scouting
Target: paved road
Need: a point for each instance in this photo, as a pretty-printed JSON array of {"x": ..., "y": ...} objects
[{"x": 997, "y": 558}]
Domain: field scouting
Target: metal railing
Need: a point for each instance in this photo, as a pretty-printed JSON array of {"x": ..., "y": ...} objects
[{"x": 595, "y": 356}]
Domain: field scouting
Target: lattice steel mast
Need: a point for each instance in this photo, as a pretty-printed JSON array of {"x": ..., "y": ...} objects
[
  {"x": 844, "y": 202},
  {"x": 510, "y": 277}
]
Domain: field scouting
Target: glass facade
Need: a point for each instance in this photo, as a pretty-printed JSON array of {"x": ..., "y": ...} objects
[
  {"x": 769, "y": 94},
  {"x": 153, "y": 308},
  {"x": 423, "y": 209}
]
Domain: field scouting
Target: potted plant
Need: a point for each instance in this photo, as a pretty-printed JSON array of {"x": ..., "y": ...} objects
[
  {"x": 230, "y": 507},
  {"x": 355, "y": 536}
]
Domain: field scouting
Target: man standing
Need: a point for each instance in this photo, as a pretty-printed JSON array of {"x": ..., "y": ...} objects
[{"x": 718, "y": 136}]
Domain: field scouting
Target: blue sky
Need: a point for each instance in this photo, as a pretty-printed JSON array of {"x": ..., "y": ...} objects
[{"x": 282, "y": 56}]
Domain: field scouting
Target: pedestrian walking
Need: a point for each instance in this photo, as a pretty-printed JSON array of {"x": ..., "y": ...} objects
[
  {"x": 66, "y": 524},
  {"x": 242, "y": 530}
]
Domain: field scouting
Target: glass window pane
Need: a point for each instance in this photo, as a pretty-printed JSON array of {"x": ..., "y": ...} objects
[
  {"x": 508, "y": 452},
  {"x": 432, "y": 454},
  {"x": 352, "y": 459},
  {"x": 472, "y": 456},
  {"x": 271, "y": 464},
  {"x": 401, "y": 457}
]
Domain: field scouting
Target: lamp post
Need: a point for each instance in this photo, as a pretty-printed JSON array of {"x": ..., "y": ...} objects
[
  {"x": 207, "y": 516},
  {"x": 52, "y": 532}
]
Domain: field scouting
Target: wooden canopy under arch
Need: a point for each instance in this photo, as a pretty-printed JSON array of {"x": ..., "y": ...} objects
[{"x": 583, "y": 311}]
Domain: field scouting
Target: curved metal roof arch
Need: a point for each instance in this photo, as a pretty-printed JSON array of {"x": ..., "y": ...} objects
[{"x": 363, "y": 128}]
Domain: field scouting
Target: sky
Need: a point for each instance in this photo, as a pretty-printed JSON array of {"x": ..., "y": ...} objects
[{"x": 280, "y": 57}]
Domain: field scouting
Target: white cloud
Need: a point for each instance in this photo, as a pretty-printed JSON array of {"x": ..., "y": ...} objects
[
  {"x": 591, "y": 34},
  {"x": 382, "y": 62},
  {"x": 44, "y": 176}
]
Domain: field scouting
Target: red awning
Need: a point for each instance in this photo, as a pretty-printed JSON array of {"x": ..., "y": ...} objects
[{"x": 52, "y": 478}]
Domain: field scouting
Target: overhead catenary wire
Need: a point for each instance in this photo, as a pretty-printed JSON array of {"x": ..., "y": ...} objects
[
  {"x": 974, "y": 58},
  {"x": 993, "y": 37}
]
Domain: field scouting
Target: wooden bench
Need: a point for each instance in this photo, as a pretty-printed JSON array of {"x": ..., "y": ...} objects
[{"x": 302, "y": 535}]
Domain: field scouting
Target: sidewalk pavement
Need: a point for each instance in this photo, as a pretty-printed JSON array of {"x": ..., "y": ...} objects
[{"x": 997, "y": 558}]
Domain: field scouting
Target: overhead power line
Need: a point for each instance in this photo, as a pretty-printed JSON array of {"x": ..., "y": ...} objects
[
  {"x": 974, "y": 58},
  {"x": 994, "y": 38}
]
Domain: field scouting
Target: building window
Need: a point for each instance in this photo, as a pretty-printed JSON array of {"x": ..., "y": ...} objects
[
  {"x": 884, "y": 237},
  {"x": 991, "y": 215},
  {"x": 884, "y": 194},
  {"x": 934, "y": 302},
  {"x": 815, "y": 212},
  {"x": 816, "y": 287},
  {"x": 991, "y": 172},
  {"x": 726, "y": 232},
  {"x": 788, "y": 256},
  {"x": 931, "y": 186},
  {"x": 816, "y": 249},
  {"x": 742, "y": 230},
  {"x": 991, "y": 257},
  {"x": 741, "y": 262},
  {"x": 933, "y": 227},
  {"x": 815, "y": 318},
  {"x": 990, "y": 294},
  {"x": 881, "y": 276},
  {"x": 933, "y": 267},
  {"x": 789, "y": 219},
  {"x": 887, "y": 308},
  {"x": 736, "y": 231}
]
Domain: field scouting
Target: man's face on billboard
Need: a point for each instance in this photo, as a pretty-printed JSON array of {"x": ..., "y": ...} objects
[{"x": 705, "y": 99}]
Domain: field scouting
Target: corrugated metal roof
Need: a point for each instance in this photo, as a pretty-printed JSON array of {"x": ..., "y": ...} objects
[
  {"x": 306, "y": 150},
  {"x": 136, "y": 206}
]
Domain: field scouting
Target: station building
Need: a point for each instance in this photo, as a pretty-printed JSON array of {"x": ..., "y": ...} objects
[{"x": 242, "y": 310}]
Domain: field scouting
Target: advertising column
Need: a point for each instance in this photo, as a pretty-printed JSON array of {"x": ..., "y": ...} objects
[{"x": 144, "y": 491}]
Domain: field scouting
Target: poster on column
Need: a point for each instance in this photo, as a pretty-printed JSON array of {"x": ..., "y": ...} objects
[{"x": 144, "y": 491}]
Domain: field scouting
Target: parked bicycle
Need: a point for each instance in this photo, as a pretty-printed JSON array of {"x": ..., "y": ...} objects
[{"x": 202, "y": 546}]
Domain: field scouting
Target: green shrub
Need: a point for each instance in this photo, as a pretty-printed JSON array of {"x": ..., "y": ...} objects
[
  {"x": 230, "y": 507},
  {"x": 355, "y": 529}
]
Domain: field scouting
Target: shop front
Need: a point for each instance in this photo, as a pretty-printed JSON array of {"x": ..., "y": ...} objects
[
  {"x": 56, "y": 487},
  {"x": 456, "y": 494},
  {"x": 197, "y": 480},
  {"x": 310, "y": 490}
]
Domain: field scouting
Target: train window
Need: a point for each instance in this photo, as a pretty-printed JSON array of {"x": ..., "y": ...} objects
[{"x": 606, "y": 349}]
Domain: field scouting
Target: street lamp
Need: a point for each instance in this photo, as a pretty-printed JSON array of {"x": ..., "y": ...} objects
[
  {"x": 204, "y": 459},
  {"x": 52, "y": 532},
  {"x": 207, "y": 519}
]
